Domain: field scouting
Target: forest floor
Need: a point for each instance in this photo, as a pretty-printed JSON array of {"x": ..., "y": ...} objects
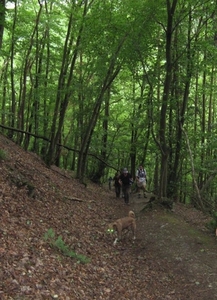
[{"x": 174, "y": 256}]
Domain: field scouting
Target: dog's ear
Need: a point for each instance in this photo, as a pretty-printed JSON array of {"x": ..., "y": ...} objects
[
  {"x": 110, "y": 228},
  {"x": 131, "y": 214},
  {"x": 114, "y": 227}
]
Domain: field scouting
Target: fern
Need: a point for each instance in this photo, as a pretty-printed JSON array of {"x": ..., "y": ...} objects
[
  {"x": 60, "y": 245},
  {"x": 3, "y": 155}
]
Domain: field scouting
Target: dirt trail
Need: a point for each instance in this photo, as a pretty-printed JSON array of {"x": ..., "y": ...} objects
[{"x": 183, "y": 250}]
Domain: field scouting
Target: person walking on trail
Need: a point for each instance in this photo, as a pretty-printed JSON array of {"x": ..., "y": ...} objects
[
  {"x": 117, "y": 184},
  {"x": 141, "y": 180},
  {"x": 110, "y": 182},
  {"x": 125, "y": 181}
]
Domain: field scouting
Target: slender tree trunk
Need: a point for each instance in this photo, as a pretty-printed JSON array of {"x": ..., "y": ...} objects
[
  {"x": 33, "y": 123},
  {"x": 112, "y": 73},
  {"x": 104, "y": 152},
  {"x": 134, "y": 133},
  {"x": 4, "y": 80},
  {"x": 45, "y": 85},
  {"x": 62, "y": 99},
  {"x": 54, "y": 137},
  {"x": 173, "y": 176},
  {"x": 165, "y": 151},
  {"x": 198, "y": 195},
  {"x": 2, "y": 20},
  {"x": 28, "y": 63},
  {"x": 13, "y": 94}
]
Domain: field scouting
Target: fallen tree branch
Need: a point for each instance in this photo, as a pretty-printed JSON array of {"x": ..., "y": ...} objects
[
  {"x": 74, "y": 199},
  {"x": 78, "y": 199},
  {"x": 58, "y": 144}
]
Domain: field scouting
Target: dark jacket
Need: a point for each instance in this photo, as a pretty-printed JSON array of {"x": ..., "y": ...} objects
[
  {"x": 126, "y": 179},
  {"x": 116, "y": 180}
]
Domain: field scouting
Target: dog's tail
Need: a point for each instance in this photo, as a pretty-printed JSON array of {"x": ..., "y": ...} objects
[{"x": 131, "y": 214}]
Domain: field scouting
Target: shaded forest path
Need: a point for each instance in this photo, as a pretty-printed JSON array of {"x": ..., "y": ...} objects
[{"x": 179, "y": 246}]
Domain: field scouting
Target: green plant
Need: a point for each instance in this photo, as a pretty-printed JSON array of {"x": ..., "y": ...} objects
[
  {"x": 212, "y": 225},
  {"x": 60, "y": 245},
  {"x": 3, "y": 155}
]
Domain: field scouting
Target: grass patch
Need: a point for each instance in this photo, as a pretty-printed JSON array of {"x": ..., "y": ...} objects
[
  {"x": 189, "y": 229},
  {"x": 212, "y": 225},
  {"x": 170, "y": 219},
  {"x": 3, "y": 155},
  {"x": 59, "y": 244}
]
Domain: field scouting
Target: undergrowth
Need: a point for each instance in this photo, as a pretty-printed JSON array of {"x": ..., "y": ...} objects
[
  {"x": 212, "y": 225},
  {"x": 58, "y": 243},
  {"x": 3, "y": 155}
]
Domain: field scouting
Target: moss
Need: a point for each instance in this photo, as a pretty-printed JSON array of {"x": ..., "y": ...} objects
[{"x": 195, "y": 233}]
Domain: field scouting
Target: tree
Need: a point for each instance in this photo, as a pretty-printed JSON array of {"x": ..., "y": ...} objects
[
  {"x": 2, "y": 20},
  {"x": 107, "y": 87}
]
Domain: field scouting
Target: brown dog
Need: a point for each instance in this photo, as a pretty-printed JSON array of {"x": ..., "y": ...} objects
[{"x": 124, "y": 223}]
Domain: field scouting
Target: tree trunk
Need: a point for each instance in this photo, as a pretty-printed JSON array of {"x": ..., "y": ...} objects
[
  {"x": 62, "y": 98},
  {"x": 2, "y": 20},
  {"x": 166, "y": 92},
  {"x": 104, "y": 152},
  {"x": 173, "y": 176},
  {"x": 112, "y": 73},
  {"x": 24, "y": 78}
]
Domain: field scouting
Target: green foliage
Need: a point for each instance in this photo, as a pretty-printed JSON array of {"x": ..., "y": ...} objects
[
  {"x": 3, "y": 155},
  {"x": 212, "y": 225},
  {"x": 64, "y": 66},
  {"x": 60, "y": 245},
  {"x": 49, "y": 235}
]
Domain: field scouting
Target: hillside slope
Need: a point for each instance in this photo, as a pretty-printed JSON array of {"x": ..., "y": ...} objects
[{"x": 170, "y": 259}]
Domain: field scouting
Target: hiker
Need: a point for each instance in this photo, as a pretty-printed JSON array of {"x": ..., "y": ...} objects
[
  {"x": 110, "y": 182},
  {"x": 125, "y": 181},
  {"x": 141, "y": 180},
  {"x": 117, "y": 184}
]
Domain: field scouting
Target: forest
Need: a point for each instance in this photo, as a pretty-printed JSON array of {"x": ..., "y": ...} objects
[{"x": 93, "y": 86}]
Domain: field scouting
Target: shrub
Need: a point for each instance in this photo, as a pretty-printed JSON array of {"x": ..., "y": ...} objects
[
  {"x": 212, "y": 225},
  {"x": 60, "y": 245},
  {"x": 3, "y": 155}
]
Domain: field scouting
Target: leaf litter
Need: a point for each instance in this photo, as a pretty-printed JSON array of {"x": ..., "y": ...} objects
[{"x": 173, "y": 257}]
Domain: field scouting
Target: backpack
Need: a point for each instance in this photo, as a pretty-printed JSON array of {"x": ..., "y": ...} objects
[{"x": 141, "y": 173}]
